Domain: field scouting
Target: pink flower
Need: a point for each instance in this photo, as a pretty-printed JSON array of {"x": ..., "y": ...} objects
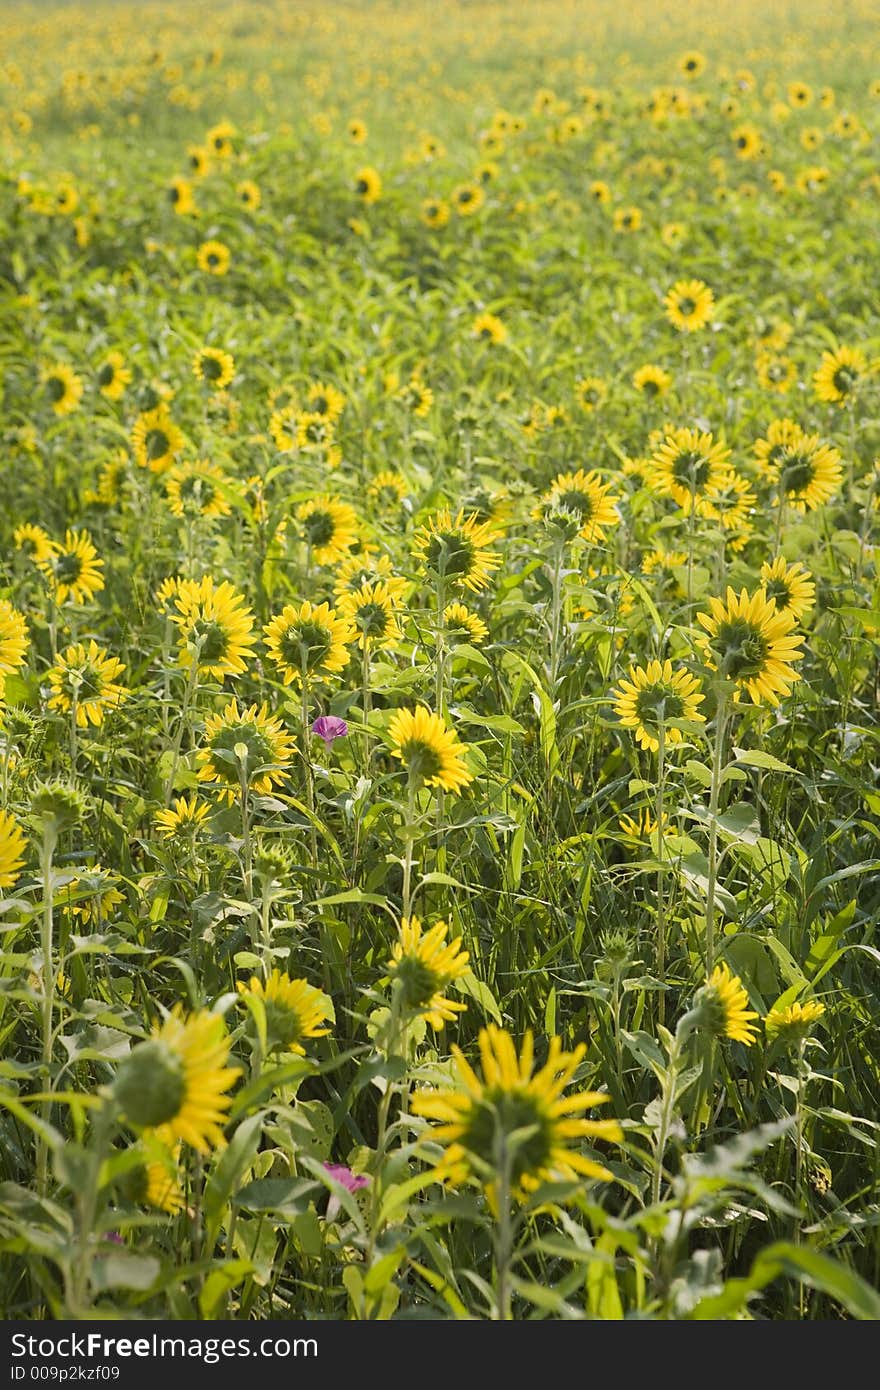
[
  {"x": 329, "y": 727},
  {"x": 349, "y": 1180}
]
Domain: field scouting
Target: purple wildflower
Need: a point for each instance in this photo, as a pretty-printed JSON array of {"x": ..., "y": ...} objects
[
  {"x": 349, "y": 1180},
  {"x": 329, "y": 727}
]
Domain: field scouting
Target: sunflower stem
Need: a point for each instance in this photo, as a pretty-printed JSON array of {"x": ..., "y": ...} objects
[
  {"x": 246, "y": 844},
  {"x": 661, "y": 869},
  {"x": 77, "y": 1294},
  {"x": 192, "y": 681},
  {"x": 714, "y": 794},
  {"x": 503, "y": 1226},
  {"x": 409, "y": 845},
  {"x": 307, "y": 759},
  {"x": 46, "y": 853}
]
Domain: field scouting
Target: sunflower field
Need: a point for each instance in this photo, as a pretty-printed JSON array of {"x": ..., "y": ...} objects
[{"x": 439, "y": 615}]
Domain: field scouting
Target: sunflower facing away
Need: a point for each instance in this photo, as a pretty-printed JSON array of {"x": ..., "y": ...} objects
[
  {"x": 12, "y": 848},
  {"x": 687, "y": 464},
  {"x": 195, "y": 489},
  {"x": 793, "y": 1021},
  {"x": 175, "y": 1083},
  {"x": 723, "y": 1003},
  {"x": 13, "y": 640},
  {"x": 456, "y": 549},
  {"x": 371, "y": 611},
  {"x": 113, "y": 376},
  {"x": 806, "y": 474},
  {"x": 328, "y": 527},
  {"x": 215, "y": 627},
  {"x": 838, "y": 375},
  {"x": 588, "y": 497},
  {"x": 790, "y": 586},
  {"x": 653, "y": 696},
  {"x": 155, "y": 438},
  {"x": 73, "y": 568},
  {"x": 294, "y": 1010},
  {"x": 309, "y": 642},
  {"x": 690, "y": 305},
  {"x": 183, "y": 819},
  {"x": 431, "y": 753},
  {"x": 750, "y": 642},
  {"x": 462, "y": 623},
  {"x": 214, "y": 367},
  {"x": 480, "y": 1115},
  {"x": 247, "y": 743},
  {"x": 85, "y": 679},
  {"x": 423, "y": 966},
  {"x": 368, "y": 567}
]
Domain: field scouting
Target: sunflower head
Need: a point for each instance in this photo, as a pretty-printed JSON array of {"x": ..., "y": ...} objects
[
  {"x": 371, "y": 610},
  {"x": 12, "y": 849},
  {"x": 690, "y": 305},
  {"x": 244, "y": 745},
  {"x": 430, "y": 752},
  {"x": 215, "y": 627},
  {"x": 655, "y": 699},
  {"x": 422, "y": 966},
  {"x": 310, "y": 642},
  {"x": 793, "y": 1022},
  {"x": 721, "y": 1007},
  {"x": 456, "y": 549},
  {"x": 751, "y": 643},
  {"x": 294, "y": 1010}
]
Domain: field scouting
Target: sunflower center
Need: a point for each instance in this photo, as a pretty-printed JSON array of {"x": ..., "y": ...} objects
[
  {"x": 106, "y": 374},
  {"x": 691, "y": 468},
  {"x": 418, "y": 981},
  {"x": 372, "y": 619},
  {"x": 504, "y": 1113},
  {"x": 212, "y": 258},
  {"x": 796, "y": 472},
  {"x": 320, "y": 405},
  {"x": 844, "y": 380},
  {"x": 151, "y": 1085},
  {"x": 449, "y": 552},
  {"x": 361, "y": 186},
  {"x": 742, "y": 648},
  {"x": 319, "y": 528},
  {"x": 650, "y": 387},
  {"x": 575, "y": 501},
  {"x": 211, "y": 368},
  {"x": 778, "y": 589},
  {"x": 157, "y": 444},
  {"x": 68, "y": 567},
  {"x": 686, "y": 306},
  {"x": 55, "y": 389},
  {"x": 85, "y": 683},
  {"x": 305, "y": 645},
  {"x": 777, "y": 371},
  {"x": 198, "y": 490}
]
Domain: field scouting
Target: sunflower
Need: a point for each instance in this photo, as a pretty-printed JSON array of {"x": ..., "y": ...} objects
[
  {"x": 672, "y": 234},
  {"x": 790, "y": 586},
  {"x": 489, "y": 328},
  {"x": 195, "y": 489},
  {"x": 94, "y": 894},
  {"x": 12, "y": 849},
  {"x": 294, "y": 1010},
  {"x": 794, "y": 1021},
  {"x": 175, "y": 1082},
  {"x": 799, "y": 94},
  {"x": 183, "y": 819},
  {"x": 588, "y": 497},
  {"x": 325, "y": 401},
  {"x": 112, "y": 376},
  {"x": 315, "y": 434},
  {"x": 723, "y": 1005},
  {"x": 591, "y": 391},
  {"x": 459, "y": 621},
  {"x": 686, "y": 466},
  {"x": 214, "y": 367},
  {"x": 309, "y": 641},
  {"x": 730, "y": 501},
  {"x": 368, "y": 184},
  {"x": 248, "y": 194},
  {"x": 640, "y": 829},
  {"x": 155, "y": 438},
  {"x": 213, "y": 257},
  {"x": 652, "y": 380},
  {"x": 664, "y": 562},
  {"x": 388, "y": 489},
  {"x": 435, "y": 212},
  {"x": 780, "y": 435},
  {"x": 367, "y": 567},
  {"x": 750, "y": 642},
  {"x": 417, "y": 397},
  {"x": 627, "y": 219},
  {"x": 73, "y": 568},
  {"x": 478, "y": 1117},
  {"x": 838, "y": 374},
  {"x": 599, "y": 192},
  {"x": 807, "y": 473},
  {"x": 180, "y": 196},
  {"x": 457, "y": 549},
  {"x": 62, "y": 386},
  {"x": 431, "y": 753},
  {"x": 690, "y": 305},
  {"x": 268, "y": 750},
  {"x": 199, "y": 160},
  {"x": 328, "y": 527},
  {"x": 357, "y": 132},
  {"x": 371, "y": 610},
  {"x": 215, "y": 627},
  {"x": 13, "y": 640},
  {"x": 423, "y": 966},
  {"x": 219, "y": 139},
  {"x": 467, "y": 199},
  {"x": 692, "y": 63},
  {"x": 85, "y": 679},
  {"x": 655, "y": 698},
  {"x": 157, "y": 1184},
  {"x": 33, "y": 540},
  {"x": 747, "y": 142}
]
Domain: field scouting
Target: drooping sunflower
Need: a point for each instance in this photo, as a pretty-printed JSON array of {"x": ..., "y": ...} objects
[
  {"x": 591, "y": 391},
  {"x": 456, "y": 549},
  {"x": 175, "y": 1083},
  {"x": 479, "y": 1115},
  {"x": 806, "y": 474},
  {"x": 112, "y": 376},
  {"x": 368, "y": 184},
  {"x": 269, "y": 749},
  {"x": 371, "y": 610},
  {"x": 12, "y": 849},
  {"x": 13, "y": 640},
  {"x": 309, "y": 642},
  {"x": 489, "y": 328},
  {"x": 183, "y": 818},
  {"x": 157, "y": 1184},
  {"x": 790, "y": 586},
  {"x": 723, "y": 1004},
  {"x": 459, "y": 621},
  {"x": 653, "y": 697},
  {"x": 294, "y": 1010},
  {"x": 215, "y": 627},
  {"x": 838, "y": 374},
  {"x": 85, "y": 679},
  {"x": 328, "y": 527},
  {"x": 214, "y": 367},
  {"x": 690, "y": 305},
  {"x": 94, "y": 894},
  {"x": 73, "y": 568},
  {"x": 62, "y": 387},
  {"x": 584, "y": 494},
  {"x": 423, "y": 967},
  {"x": 639, "y": 829},
  {"x": 430, "y": 752},
  {"x": 155, "y": 438},
  {"x": 652, "y": 380},
  {"x": 750, "y": 642},
  {"x": 794, "y": 1021},
  {"x": 664, "y": 563},
  {"x": 196, "y": 489},
  {"x": 686, "y": 465},
  {"x": 467, "y": 199},
  {"x": 213, "y": 257}
]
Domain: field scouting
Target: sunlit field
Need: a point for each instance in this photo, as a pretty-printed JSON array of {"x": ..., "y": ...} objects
[{"x": 439, "y": 626}]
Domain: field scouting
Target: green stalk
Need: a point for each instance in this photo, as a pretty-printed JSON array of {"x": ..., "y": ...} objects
[
  {"x": 409, "y": 845},
  {"x": 661, "y": 869},
  {"x": 714, "y": 793},
  {"x": 192, "y": 681},
  {"x": 47, "y": 851}
]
